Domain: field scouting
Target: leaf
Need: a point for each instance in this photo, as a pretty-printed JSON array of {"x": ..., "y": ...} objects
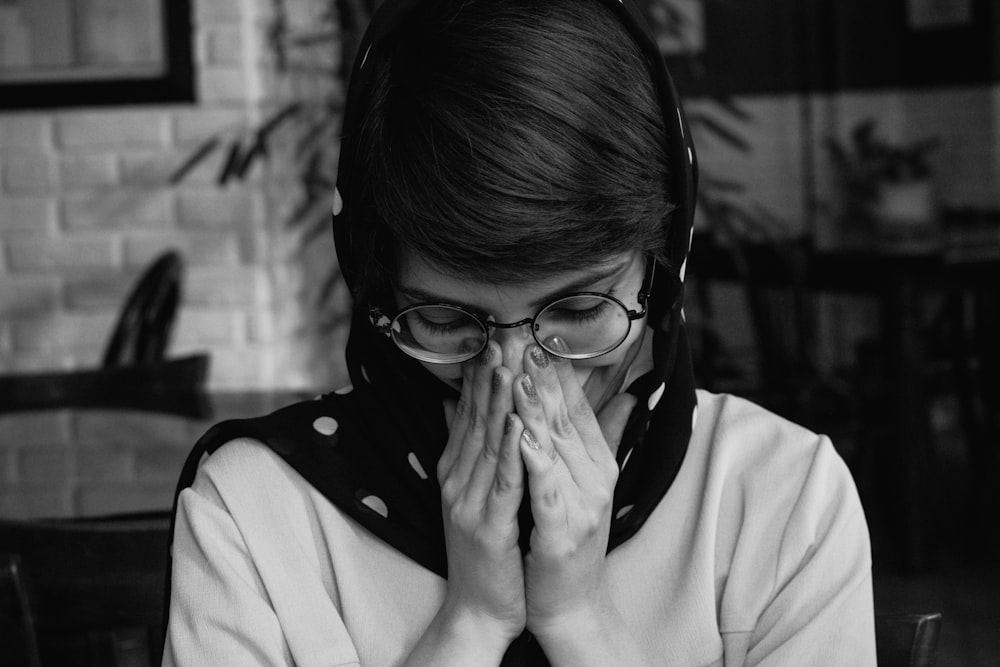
[{"x": 196, "y": 158}]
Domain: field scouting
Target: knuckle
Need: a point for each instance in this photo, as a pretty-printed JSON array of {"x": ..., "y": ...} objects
[
  {"x": 489, "y": 454},
  {"x": 449, "y": 491},
  {"x": 457, "y": 515},
  {"x": 503, "y": 485},
  {"x": 443, "y": 466},
  {"x": 563, "y": 425},
  {"x": 580, "y": 407},
  {"x": 550, "y": 498}
]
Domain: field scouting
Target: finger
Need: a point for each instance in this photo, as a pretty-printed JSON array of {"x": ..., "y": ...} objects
[
  {"x": 475, "y": 434},
  {"x": 485, "y": 467},
  {"x": 528, "y": 405},
  {"x": 548, "y": 498},
  {"x": 458, "y": 424},
  {"x": 613, "y": 418},
  {"x": 507, "y": 489},
  {"x": 567, "y": 442},
  {"x": 578, "y": 407}
]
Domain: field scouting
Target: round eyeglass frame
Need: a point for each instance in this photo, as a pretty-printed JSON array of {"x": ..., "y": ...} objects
[{"x": 387, "y": 325}]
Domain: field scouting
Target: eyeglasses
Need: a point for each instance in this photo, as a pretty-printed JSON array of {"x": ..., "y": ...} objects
[{"x": 586, "y": 324}]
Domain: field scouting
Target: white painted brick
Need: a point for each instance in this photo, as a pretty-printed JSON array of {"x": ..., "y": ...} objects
[
  {"x": 204, "y": 327},
  {"x": 29, "y": 174},
  {"x": 89, "y": 293},
  {"x": 100, "y": 498},
  {"x": 8, "y": 466},
  {"x": 207, "y": 286},
  {"x": 237, "y": 206},
  {"x": 244, "y": 367},
  {"x": 223, "y": 84},
  {"x": 150, "y": 169},
  {"x": 159, "y": 463},
  {"x": 121, "y": 208},
  {"x": 27, "y": 294},
  {"x": 197, "y": 125},
  {"x": 218, "y": 11},
  {"x": 215, "y": 249},
  {"x": 32, "y": 255},
  {"x": 220, "y": 45},
  {"x": 47, "y": 360},
  {"x": 105, "y": 464},
  {"x": 112, "y": 129},
  {"x": 24, "y": 134},
  {"x": 63, "y": 330},
  {"x": 261, "y": 327},
  {"x": 46, "y": 465},
  {"x": 35, "y": 502},
  {"x": 134, "y": 429},
  {"x": 51, "y": 428},
  {"x": 88, "y": 171},
  {"x": 26, "y": 216}
]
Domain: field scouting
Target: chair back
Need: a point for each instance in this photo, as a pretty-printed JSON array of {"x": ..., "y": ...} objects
[
  {"x": 907, "y": 640},
  {"x": 94, "y": 588},
  {"x": 18, "y": 643}
]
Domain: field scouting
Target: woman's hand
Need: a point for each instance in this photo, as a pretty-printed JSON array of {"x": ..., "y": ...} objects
[
  {"x": 569, "y": 454},
  {"x": 482, "y": 484}
]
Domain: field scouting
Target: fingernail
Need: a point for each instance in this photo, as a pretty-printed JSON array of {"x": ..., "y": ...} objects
[
  {"x": 557, "y": 345},
  {"x": 539, "y": 357},
  {"x": 530, "y": 440},
  {"x": 508, "y": 424},
  {"x": 529, "y": 388},
  {"x": 497, "y": 380}
]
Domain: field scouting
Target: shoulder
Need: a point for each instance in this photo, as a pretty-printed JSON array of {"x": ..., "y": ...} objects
[
  {"x": 772, "y": 489},
  {"x": 757, "y": 451},
  {"x": 778, "y": 493}
]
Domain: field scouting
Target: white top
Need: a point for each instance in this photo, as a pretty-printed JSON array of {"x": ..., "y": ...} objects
[{"x": 757, "y": 555}]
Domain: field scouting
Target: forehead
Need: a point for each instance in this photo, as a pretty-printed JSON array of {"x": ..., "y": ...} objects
[{"x": 420, "y": 280}]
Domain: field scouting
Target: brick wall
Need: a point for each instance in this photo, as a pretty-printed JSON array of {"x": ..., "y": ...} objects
[{"x": 85, "y": 205}]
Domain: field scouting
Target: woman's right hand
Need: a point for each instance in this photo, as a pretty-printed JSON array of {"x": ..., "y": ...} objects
[{"x": 482, "y": 483}]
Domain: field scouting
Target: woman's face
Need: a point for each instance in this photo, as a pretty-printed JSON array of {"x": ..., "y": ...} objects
[{"x": 620, "y": 276}]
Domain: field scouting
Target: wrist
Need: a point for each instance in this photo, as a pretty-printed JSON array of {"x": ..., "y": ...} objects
[
  {"x": 579, "y": 632},
  {"x": 461, "y": 623}
]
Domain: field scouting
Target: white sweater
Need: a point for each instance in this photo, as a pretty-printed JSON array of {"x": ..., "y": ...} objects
[{"x": 757, "y": 555}]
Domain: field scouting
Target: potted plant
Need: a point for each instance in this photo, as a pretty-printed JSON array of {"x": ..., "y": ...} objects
[{"x": 885, "y": 187}]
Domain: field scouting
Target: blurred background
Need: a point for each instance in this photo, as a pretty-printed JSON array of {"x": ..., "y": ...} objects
[{"x": 166, "y": 180}]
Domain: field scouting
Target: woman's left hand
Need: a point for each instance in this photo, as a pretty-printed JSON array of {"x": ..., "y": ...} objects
[{"x": 569, "y": 454}]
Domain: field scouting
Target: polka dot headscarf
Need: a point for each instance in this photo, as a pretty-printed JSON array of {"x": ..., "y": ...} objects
[{"x": 372, "y": 447}]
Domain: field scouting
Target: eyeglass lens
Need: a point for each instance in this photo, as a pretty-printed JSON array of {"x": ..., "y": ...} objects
[{"x": 587, "y": 325}]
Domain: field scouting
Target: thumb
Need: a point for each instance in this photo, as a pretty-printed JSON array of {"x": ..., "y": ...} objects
[
  {"x": 450, "y": 407},
  {"x": 613, "y": 417}
]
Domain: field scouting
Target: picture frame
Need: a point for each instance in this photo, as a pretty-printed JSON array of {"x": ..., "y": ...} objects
[{"x": 73, "y": 53}]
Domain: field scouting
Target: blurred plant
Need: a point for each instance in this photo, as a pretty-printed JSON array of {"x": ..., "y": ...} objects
[
  {"x": 866, "y": 163},
  {"x": 307, "y": 124},
  {"x": 870, "y": 159}
]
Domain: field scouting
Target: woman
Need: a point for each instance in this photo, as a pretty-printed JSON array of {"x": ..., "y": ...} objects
[{"x": 522, "y": 471}]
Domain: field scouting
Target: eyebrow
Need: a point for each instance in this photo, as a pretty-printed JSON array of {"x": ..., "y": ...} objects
[{"x": 588, "y": 280}]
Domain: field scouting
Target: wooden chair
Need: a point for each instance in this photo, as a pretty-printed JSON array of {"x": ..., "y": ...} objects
[
  {"x": 84, "y": 591},
  {"x": 135, "y": 372},
  {"x": 907, "y": 640}
]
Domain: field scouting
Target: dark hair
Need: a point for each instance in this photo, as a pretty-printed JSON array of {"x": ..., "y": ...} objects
[{"x": 505, "y": 140}]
